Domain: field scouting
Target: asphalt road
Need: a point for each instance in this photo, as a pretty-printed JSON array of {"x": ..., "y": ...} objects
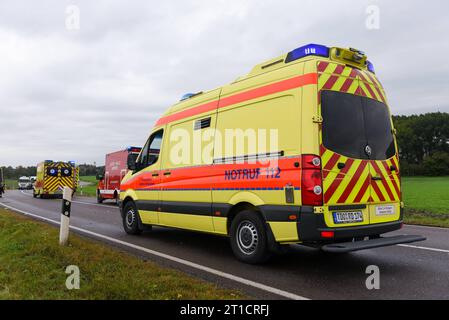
[{"x": 418, "y": 271}]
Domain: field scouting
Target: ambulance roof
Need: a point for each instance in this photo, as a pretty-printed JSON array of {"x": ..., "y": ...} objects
[{"x": 352, "y": 57}]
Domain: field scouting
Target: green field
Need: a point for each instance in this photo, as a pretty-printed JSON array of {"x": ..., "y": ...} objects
[
  {"x": 32, "y": 266},
  {"x": 89, "y": 190},
  {"x": 90, "y": 179},
  {"x": 426, "y": 200},
  {"x": 11, "y": 184}
]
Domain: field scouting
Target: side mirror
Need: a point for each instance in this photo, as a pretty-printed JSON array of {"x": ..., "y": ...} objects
[
  {"x": 132, "y": 158},
  {"x": 99, "y": 177}
]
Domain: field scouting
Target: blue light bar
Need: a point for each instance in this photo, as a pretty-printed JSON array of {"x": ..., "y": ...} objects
[
  {"x": 308, "y": 50},
  {"x": 370, "y": 67}
]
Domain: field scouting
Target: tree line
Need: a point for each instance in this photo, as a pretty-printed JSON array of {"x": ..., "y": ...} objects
[
  {"x": 423, "y": 142},
  {"x": 20, "y": 171}
]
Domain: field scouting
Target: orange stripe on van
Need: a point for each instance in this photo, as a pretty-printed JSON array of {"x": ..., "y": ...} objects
[{"x": 284, "y": 85}]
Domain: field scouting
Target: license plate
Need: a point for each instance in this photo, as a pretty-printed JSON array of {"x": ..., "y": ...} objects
[
  {"x": 348, "y": 217},
  {"x": 385, "y": 210}
]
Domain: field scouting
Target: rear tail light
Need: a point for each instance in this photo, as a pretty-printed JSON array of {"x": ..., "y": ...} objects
[
  {"x": 311, "y": 181},
  {"x": 327, "y": 234}
]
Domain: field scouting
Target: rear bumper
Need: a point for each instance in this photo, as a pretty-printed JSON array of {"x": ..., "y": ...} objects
[
  {"x": 345, "y": 247},
  {"x": 311, "y": 225}
]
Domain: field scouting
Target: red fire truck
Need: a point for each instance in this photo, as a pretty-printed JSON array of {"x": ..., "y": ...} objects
[{"x": 115, "y": 169}]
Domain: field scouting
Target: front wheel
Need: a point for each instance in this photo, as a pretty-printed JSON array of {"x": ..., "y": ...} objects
[
  {"x": 249, "y": 240},
  {"x": 130, "y": 219}
]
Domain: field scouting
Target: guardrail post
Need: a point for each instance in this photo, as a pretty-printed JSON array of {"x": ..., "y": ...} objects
[{"x": 65, "y": 216}]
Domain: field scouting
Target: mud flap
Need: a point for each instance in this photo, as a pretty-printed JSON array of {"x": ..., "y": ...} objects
[{"x": 370, "y": 244}]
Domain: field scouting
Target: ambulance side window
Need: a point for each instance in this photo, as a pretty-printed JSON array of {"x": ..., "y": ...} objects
[{"x": 151, "y": 151}]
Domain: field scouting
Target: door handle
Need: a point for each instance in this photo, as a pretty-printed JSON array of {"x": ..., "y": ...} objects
[
  {"x": 377, "y": 178},
  {"x": 155, "y": 174},
  {"x": 167, "y": 173}
]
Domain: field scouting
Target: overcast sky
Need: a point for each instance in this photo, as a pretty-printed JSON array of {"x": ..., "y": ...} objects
[{"x": 77, "y": 94}]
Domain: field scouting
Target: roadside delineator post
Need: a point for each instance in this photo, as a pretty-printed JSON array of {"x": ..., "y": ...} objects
[{"x": 65, "y": 216}]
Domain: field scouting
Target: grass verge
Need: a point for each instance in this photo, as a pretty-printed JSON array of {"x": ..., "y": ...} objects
[
  {"x": 426, "y": 200},
  {"x": 413, "y": 216},
  {"x": 32, "y": 266}
]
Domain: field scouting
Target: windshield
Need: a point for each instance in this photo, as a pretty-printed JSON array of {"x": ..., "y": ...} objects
[
  {"x": 351, "y": 123},
  {"x": 24, "y": 180}
]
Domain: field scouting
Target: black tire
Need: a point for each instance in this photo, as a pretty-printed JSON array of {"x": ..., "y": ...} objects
[
  {"x": 99, "y": 198},
  {"x": 34, "y": 194},
  {"x": 249, "y": 240},
  {"x": 131, "y": 219}
]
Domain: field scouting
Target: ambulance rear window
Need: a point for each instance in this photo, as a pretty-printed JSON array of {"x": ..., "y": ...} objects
[{"x": 351, "y": 123}]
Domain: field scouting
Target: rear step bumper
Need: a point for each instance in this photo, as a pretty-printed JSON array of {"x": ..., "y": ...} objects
[{"x": 370, "y": 244}]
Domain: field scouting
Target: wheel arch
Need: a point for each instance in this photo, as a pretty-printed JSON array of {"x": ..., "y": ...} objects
[{"x": 239, "y": 207}]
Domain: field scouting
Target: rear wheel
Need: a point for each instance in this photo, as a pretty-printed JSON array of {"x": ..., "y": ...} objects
[
  {"x": 34, "y": 194},
  {"x": 131, "y": 219},
  {"x": 249, "y": 240}
]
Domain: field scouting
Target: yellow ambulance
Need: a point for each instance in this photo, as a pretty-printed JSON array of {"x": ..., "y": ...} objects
[
  {"x": 52, "y": 177},
  {"x": 301, "y": 150}
]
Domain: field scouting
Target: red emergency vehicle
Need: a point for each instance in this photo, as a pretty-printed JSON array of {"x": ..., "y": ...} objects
[{"x": 115, "y": 169}]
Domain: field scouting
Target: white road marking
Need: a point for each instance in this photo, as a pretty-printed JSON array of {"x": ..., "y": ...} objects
[
  {"x": 81, "y": 202},
  {"x": 95, "y": 204},
  {"x": 219, "y": 273},
  {"x": 423, "y": 248}
]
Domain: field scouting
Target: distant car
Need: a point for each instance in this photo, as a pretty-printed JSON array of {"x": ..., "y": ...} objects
[{"x": 25, "y": 183}]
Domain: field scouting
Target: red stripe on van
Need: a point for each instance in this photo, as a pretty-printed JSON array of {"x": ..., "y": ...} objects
[
  {"x": 188, "y": 113},
  {"x": 377, "y": 190},
  {"x": 337, "y": 181},
  {"x": 330, "y": 83},
  {"x": 353, "y": 182},
  {"x": 292, "y": 83},
  {"x": 384, "y": 181},
  {"x": 322, "y": 66},
  {"x": 330, "y": 164},
  {"x": 339, "y": 69},
  {"x": 347, "y": 85},
  {"x": 363, "y": 189},
  {"x": 393, "y": 182}
]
